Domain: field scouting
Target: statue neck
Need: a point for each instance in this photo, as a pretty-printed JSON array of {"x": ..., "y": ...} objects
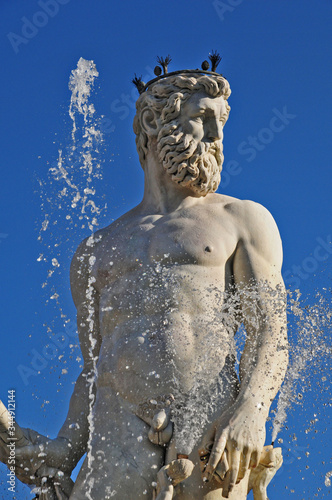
[{"x": 161, "y": 193}]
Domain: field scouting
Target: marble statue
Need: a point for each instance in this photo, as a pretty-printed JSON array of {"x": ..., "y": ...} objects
[{"x": 159, "y": 407}]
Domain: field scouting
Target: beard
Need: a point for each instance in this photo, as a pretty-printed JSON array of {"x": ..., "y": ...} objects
[{"x": 192, "y": 164}]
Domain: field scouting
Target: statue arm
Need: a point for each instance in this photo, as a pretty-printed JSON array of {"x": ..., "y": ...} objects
[
  {"x": 260, "y": 292},
  {"x": 262, "y": 296},
  {"x": 86, "y": 298}
]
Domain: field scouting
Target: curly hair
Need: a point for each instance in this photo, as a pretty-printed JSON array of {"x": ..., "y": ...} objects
[{"x": 166, "y": 97}]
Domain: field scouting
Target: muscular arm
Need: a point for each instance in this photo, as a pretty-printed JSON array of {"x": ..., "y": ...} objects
[
  {"x": 257, "y": 275},
  {"x": 260, "y": 293},
  {"x": 76, "y": 427}
]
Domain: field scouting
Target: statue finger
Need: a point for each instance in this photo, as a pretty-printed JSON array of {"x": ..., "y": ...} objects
[
  {"x": 254, "y": 459},
  {"x": 244, "y": 463},
  {"x": 222, "y": 468},
  {"x": 215, "y": 456},
  {"x": 207, "y": 441},
  {"x": 234, "y": 458}
]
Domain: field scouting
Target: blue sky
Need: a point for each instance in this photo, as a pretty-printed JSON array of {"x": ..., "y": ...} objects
[{"x": 276, "y": 57}]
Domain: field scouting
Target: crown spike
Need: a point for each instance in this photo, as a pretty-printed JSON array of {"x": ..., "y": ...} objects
[
  {"x": 164, "y": 62},
  {"x": 162, "y": 71},
  {"x": 139, "y": 84},
  {"x": 215, "y": 59}
]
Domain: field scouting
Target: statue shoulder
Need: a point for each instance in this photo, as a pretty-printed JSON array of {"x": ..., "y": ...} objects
[
  {"x": 257, "y": 229},
  {"x": 249, "y": 214}
]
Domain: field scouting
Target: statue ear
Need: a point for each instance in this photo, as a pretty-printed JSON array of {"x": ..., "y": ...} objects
[{"x": 149, "y": 122}]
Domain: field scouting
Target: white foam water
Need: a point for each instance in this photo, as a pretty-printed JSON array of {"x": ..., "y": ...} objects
[
  {"x": 70, "y": 201},
  {"x": 81, "y": 82},
  {"x": 309, "y": 349}
]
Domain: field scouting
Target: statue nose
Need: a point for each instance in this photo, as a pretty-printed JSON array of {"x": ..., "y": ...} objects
[{"x": 214, "y": 131}]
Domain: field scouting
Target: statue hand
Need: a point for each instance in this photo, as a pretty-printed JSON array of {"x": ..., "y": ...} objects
[
  {"x": 240, "y": 433},
  {"x": 40, "y": 453}
]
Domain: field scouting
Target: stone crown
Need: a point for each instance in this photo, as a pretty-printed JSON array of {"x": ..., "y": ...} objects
[{"x": 161, "y": 71}]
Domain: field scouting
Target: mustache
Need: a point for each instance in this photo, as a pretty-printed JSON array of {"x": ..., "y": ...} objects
[
  {"x": 177, "y": 148},
  {"x": 215, "y": 149}
]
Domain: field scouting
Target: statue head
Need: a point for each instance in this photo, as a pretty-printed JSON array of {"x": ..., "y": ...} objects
[{"x": 161, "y": 118}]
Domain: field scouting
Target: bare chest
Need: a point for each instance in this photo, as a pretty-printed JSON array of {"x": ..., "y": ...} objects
[{"x": 177, "y": 240}]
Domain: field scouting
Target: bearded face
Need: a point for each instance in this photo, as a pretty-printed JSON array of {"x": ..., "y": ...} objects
[{"x": 192, "y": 164}]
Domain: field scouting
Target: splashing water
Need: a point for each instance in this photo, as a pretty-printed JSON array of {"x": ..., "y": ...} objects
[
  {"x": 74, "y": 177},
  {"x": 310, "y": 351},
  {"x": 327, "y": 478},
  {"x": 80, "y": 83},
  {"x": 309, "y": 331},
  {"x": 214, "y": 381},
  {"x": 73, "y": 204}
]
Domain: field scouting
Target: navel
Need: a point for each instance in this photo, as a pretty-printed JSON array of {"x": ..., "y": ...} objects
[{"x": 208, "y": 249}]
